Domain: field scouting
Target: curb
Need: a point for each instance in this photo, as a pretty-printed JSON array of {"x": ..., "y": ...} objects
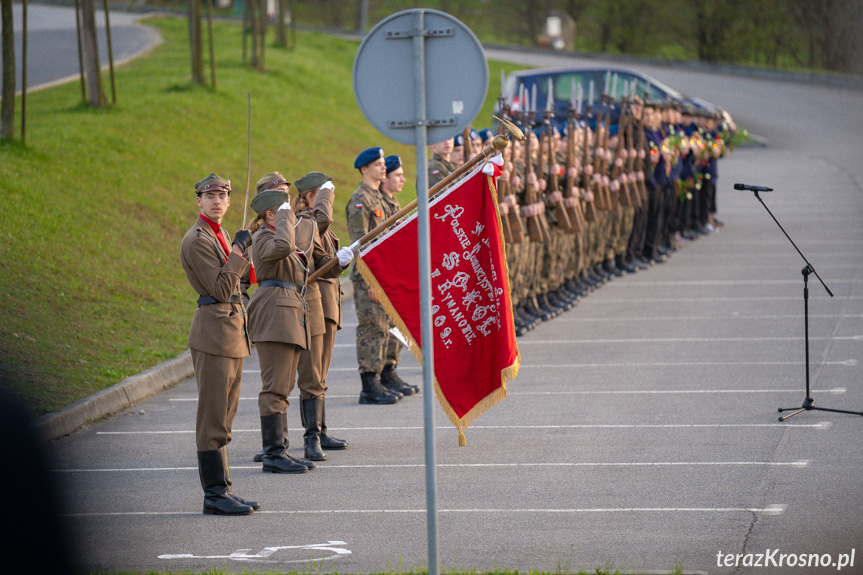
[
  {"x": 119, "y": 396},
  {"x": 128, "y": 392}
]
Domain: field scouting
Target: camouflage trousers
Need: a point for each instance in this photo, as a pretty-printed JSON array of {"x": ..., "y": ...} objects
[{"x": 376, "y": 346}]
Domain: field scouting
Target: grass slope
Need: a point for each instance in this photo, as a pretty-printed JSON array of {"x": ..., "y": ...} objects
[{"x": 97, "y": 201}]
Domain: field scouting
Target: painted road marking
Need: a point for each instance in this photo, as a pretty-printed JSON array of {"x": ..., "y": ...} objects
[
  {"x": 772, "y": 509},
  {"x": 686, "y": 340},
  {"x": 598, "y": 392},
  {"x": 264, "y": 555},
  {"x": 820, "y": 425},
  {"x": 798, "y": 464}
]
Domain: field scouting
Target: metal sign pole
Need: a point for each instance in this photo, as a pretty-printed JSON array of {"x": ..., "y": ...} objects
[
  {"x": 415, "y": 113},
  {"x": 423, "y": 233}
]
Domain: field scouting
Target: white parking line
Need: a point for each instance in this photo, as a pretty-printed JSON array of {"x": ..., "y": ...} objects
[
  {"x": 597, "y": 392},
  {"x": 820, "y": 425},
  {"x": 798, "y": 464},
  {"x": 686, "y": 340},
  {"x": 772, "y": 509},
  {"x": 734, "y": 316}
]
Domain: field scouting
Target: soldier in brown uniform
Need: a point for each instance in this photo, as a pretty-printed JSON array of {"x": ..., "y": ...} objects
[
  {"x": 218, "y": 340},
  {"x": 314, "y": 248},
  {"x": 278, "y": 322},
  {"x": 314, "y": 208},
  {"x": 365, "y": 211}
]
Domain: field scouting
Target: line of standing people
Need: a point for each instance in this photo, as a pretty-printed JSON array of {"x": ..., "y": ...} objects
[{"x": 292, "y": 326}]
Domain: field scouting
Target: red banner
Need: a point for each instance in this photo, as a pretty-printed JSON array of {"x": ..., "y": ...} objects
[{"x": 475, "y": 353}]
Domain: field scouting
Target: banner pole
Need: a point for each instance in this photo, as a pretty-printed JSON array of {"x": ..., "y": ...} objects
[{"x": 423, "y": 233}]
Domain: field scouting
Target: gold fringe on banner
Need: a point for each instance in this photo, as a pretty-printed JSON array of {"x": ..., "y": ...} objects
[{"x": 507, "y": 374}]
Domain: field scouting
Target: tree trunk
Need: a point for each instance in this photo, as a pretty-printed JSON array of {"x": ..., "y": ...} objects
[
  {"x": 95, "y": 89},
  {"x": 196, "y": 43},
  {"x": 281, "y": 36},
  {"x": 7, "y": 113}
]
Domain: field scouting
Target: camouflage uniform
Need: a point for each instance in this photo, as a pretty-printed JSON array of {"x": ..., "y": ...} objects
[
  {"x": 438, "y": 169},
  {"x": 365, "y": 211},
  {"x": 394, "y": 346}
]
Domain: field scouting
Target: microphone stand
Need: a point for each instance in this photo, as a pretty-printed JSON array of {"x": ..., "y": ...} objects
[{"x": 808, "y": 403}]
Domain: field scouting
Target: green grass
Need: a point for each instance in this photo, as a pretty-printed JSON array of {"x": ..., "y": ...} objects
[{"x": 97, "y": 201}]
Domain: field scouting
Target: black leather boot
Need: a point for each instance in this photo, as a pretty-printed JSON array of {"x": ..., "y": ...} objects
[
  {"x": 253, "y": 504},
  {"x": 391, "y": 380},
  {"x": 328, "y": 441},
  {"x": 532, "y": 307},
  {"x": 213, "y": 471},
  {"x": 274, "y": 437},
  {"x": 373, "y": 392},
  {"x": 310, "y": 413}
]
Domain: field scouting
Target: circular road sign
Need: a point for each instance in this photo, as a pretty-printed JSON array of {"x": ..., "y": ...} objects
[{"x": 455, "y": 75}]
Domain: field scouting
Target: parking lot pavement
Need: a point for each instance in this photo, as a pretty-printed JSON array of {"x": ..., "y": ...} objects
[{"x": 642, "y": 430}]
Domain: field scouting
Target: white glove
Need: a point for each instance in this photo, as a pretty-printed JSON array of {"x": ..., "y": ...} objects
[
  {"x": 285, "y": 206},
  {"x": 328, "y": 186},
  {"x": 345, "y": 256}
]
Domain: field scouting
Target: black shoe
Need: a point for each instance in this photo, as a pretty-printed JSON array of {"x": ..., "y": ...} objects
[
  {"x": 533, "y": 308},
  {"x": 547, "y": 306},
  {"x": 391, "y": 380},
  {"x": 611, "y": 268},
  {"x": 311, "y": 413},
  {"x": 253, "y": 504},
  {"x": 560, "y": 302},
  {"x": 625, "y": 266},
  {"x": 530, "y": 319},
  {"x": 373, "y": 392},
  {"x": 215, "y": 480},
  {"x": 274, "y": 437},
  {"x": 258, "y": 457},
  {"x": 328, "y": 441}
]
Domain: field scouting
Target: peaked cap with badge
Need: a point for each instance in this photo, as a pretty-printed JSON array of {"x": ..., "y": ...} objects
[
  {"x": 270, "y": 181},
  {"x": 213, "y": 183}
]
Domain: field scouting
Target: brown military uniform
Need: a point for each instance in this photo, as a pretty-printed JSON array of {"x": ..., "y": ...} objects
[
  {"x": 218, "y": 337},
  {"x": 278, "y": 316},
  {"x": 309, "y": 244}
]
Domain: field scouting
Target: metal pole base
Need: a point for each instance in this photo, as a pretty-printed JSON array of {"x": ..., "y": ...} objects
[{"x": 808, "y": 405}]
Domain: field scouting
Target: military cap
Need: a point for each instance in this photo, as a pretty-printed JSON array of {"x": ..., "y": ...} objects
[
  {"x": 458, "y": 140},
  {"x": 393, "y": 163},
  {"x": 486, "y": 134},
  {"x": 473, "y": 134},
  {"x": 368, "y": 156},
  {"x": 269, "y": 199},
  {"x": 213, "y": 183},
  {"x": 311, "y": 180},
  {"x": 270, "y": 181}
]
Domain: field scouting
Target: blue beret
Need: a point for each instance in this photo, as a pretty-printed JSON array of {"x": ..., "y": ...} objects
[
  {"x": 458, "y": 140},
  {"x": 613, "y": 129},
  {"x": 486, "y": 133},
  {"x": 393, "y": 163},
  {"x": 368, "y": 156},
  {"x": 473, "y": 134}
]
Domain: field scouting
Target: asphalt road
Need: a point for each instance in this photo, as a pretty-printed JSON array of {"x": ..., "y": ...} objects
[
  {"x": 52, "y": 54},
  {"x": 641, "y": 432}
]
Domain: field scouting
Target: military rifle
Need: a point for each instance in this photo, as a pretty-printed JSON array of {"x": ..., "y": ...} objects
[
  {"x": 576, "y": 217},
  {"x": 537, "y": 226},
  {"x": 563, "y": 221},
  {"x": 589, "y": 207}
]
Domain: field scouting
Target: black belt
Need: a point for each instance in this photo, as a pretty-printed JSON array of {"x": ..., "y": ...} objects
[
  {"x": 210, "y": 300},
  {"x": 300, "y": 289}
]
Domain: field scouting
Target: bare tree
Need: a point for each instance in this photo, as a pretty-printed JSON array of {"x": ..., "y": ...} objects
[
  {"x": 95, "y": 90},
  {"x": 7, "y": 113},
  {"x": 196, "y": 43}
]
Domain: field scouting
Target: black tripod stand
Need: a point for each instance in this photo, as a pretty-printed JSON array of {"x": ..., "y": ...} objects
[{"x": 808, "y": 403}]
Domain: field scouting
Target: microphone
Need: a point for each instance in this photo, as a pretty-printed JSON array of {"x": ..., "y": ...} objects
[{"x": 752, "y": 188}]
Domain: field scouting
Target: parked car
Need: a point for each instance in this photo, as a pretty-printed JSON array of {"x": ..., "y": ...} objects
[{"x": 563, "y": 80}]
